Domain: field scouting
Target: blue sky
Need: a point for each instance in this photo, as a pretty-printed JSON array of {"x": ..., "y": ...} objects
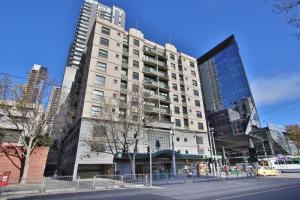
[{"x": 40, "y": 32}]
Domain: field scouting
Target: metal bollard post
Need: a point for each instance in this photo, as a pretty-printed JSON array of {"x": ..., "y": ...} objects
[
  {"x": 167, "y": 179},
  {"x": 220, "y": 175},
  {"x": 43, "y": 184},
  {"x": 78, "y": 182},
  {"x": 207, "y": 176},
  {"x": 146, "y": 180},
  {"x": 94, "y": 182}
]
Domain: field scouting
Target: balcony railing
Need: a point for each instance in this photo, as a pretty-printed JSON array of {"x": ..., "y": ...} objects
[
  {"x": 150, "y": 70},
  {"x": 124, "y": 76},
  {"x": 151, "y": 109},
  {"x": 149, "y": 95},
  {"x": 125, "y": 52},
  {"x": 165, "y": 75},
  {"x": 148, "y": 82},
  {"x": 124, "y": 64},
  {"x": 123, "y": 89},
  {"x": 150, "y": 60},
  {"x": 164, "y": 98},
  {"x": 164, "y": 86},
  {"x": 165, "y": 111}
]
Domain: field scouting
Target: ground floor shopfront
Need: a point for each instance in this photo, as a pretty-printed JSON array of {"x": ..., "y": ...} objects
[{"x": 161, "y": 163}]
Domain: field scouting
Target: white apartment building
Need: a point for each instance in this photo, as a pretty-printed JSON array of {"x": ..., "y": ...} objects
[{"x": 117, "y": 62}]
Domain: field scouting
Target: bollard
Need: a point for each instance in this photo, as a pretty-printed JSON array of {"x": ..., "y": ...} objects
[
  {"x": 167, "y": 179},
  {"x": 146, "y": 180},
  {"x": 220, "y": 176},
  {"x": 207, "y": 176},
  {"x": 43, "y": 184},
  {"x": 78, "y": 182},
  {"x": 94, "y": 182}
]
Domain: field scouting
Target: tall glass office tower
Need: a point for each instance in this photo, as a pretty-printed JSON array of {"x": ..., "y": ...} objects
[{"x": 227, "y": 96}]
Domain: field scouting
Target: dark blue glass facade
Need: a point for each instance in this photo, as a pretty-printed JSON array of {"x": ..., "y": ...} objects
[{"x": 230, "y": 75}]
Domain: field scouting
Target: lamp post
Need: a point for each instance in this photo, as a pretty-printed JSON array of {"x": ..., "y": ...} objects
[{"x": 173, "y": 153}]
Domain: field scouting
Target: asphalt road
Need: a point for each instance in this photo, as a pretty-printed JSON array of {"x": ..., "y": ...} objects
[{"x": 285, "y": 187}]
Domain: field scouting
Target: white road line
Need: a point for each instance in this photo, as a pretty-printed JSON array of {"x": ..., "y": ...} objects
[{"x": 249, "y": 194}]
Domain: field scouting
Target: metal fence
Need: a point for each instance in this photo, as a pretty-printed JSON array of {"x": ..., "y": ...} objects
[{"x": 66, "y": 183}]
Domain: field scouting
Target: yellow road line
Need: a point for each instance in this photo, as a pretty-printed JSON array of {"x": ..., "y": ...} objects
[{"x": 249, "y": 194}]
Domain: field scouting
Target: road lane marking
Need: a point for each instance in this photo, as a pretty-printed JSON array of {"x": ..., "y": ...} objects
[{"x": 249, "y": 194}]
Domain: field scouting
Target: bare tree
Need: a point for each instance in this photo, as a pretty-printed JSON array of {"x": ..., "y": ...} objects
[
  {"x": 294, "y": 134},
  {"x": 27, "y": 116},
  {"x": 122, "y": 126},
  {"x": 290, "y": 9}
]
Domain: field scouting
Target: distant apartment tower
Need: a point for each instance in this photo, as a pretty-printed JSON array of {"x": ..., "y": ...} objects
[
  {"x": 228, "y": 100},
  {"x": 117, "y": 63},
  {"x": 36, "y": 78},
  {"x": 53, "y": 105},
  {"x": 88, "y": 13}
]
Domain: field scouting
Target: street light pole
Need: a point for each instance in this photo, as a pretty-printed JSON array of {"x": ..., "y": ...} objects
[
  {"x": 210, "y": 146},
  {"x": 150, "y": 153},
  {"x": 173, "y": 153}
]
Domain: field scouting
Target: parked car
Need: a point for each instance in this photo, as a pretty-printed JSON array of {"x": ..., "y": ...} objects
[{"x": 267, "y": 171}]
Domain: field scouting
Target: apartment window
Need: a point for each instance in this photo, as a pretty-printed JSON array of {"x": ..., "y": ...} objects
[
  {"x": 122, "y": 113},
  {"x": 197, "y": 103},
  {"x": 196, "y": 93},
  {"x": 135, "y": 88},
  {"x": 174, "y": 86},
  {"x": 100, "y": 80},
  {"x": 102, "y": 66},
  {"x": 115, "y": 81},
  {"x": 136, "y": 64},
  {"x": 178, "y": 151},
  {"x": 135, "y": 76},
  {"x": 173, "y": 65},
  {"x": 104, "y": 41},
  {"x": 177, "y": 122},
  {"x": 95, "y": 111},
  {"x": 103, "y": 53},
  {"x": 199, "y": 114},
  {"x": 186, "y": 122},
  {"x": 116, "y": 68},
  {"x": 117, "y": 55},
  {"x": 119, "y": 34},
  {"x": 118, "y": 44},
  {"x": 193, "y": 73},
  {"x": 136, "y": 53},
  {"x": 192, "y": 64},
  {"x": 199, "y": 139},
  {"x": 194, "y": 82},
  {"x": 172, "y": 57},
  {"x": 200, "y": 125},
  {"x": 173, "y": 76},
  {"x": 185, "y": 139},
  {"x": 177, "y": 139},
  {"x": 105, "y": 30},
  {"x": 136, "y": 42},
  {"x": 186, "y": 152},
  {"x": 176, "y": 110},
  {"x": 98, "y": 95},
  {"x": 175, "y": 97}
]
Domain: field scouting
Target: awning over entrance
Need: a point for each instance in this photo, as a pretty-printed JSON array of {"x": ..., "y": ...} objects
[{"x": 162, "y": 154}]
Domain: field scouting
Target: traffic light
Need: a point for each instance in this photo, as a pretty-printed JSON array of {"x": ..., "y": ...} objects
[
  {"x": 252, "y": 155},
  {"x": 148, "y": 149}
]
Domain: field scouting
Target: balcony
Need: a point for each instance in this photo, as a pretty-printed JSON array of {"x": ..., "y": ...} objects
[
  {"x": 125, "y": 53},
  {"x": 124, "y": 64},
  {"x": 162, "y": 64},
  {"x": 162, "y": 55},
  {"x": 151, "y": 83},
  {"x": 153, "y": 96},
  {"x": 150, "y": 71},
  {"x": 123, "y": 104},
  {"x": 150, "y": 61},
  {"x": 164, "y": 98},
  {"x": 163, "y": 75},
  {"x": 124, "y": 77},
  {"x": 164, "y": 86},
  {"x": 149, "y": 51},
  {"x": 124, "y": 90},
  {"x": 165, "y": 111},
  {"x": 151, "y": 109}
]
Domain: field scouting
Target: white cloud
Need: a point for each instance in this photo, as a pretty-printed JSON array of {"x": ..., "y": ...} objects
[{"x": 273, "y": 89}]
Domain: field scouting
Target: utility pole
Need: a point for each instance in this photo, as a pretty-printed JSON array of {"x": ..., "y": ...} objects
[{"x": 173, "y": 153}]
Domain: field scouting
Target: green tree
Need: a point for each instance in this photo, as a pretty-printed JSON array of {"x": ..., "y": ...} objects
[{"x": 294, "y": 134}]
